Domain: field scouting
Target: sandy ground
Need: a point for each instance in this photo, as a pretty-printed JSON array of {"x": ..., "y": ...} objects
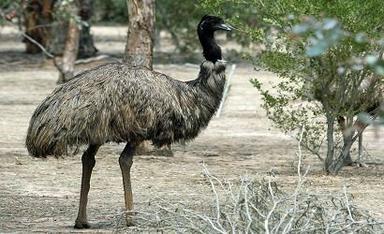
[{"x": 42, "y": 195}]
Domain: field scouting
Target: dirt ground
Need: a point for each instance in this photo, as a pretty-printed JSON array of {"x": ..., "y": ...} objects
[{"x": 42, "y": 195}]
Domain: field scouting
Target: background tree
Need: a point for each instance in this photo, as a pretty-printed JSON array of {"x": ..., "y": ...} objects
[
  {"x": 38, "y": 16},
  {"x": 317, "y": 83},
  {"x": 63, "y": 18},
  {"x": 45, "y": 20},
  {"x": 71, "y": 46},
  {"x": 139, "y": 47},
  {"x": 112, "y": 11},
  {"x": 140, "y": 40}
]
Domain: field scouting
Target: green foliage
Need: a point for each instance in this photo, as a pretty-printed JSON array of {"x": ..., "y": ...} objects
[
  {"x": 326, "y": 55},
  {"x": 6, "y": 6},
  {"x": 66, "y": 10},
  {"x": 115, "y": 11},
  {"x": 179, "y": 19},
  {"x": 239, "y": 13}
]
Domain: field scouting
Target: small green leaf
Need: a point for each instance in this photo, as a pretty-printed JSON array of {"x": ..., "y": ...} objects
[
  {"x": 300, "y": 28},
  {"x": 317, "y": 49},
  {"x": 379, "y": 68},
  {"x": 371, "y": 59},
  {"x": 361, "y": 37},
  {"x": 365, "y": 118},
  {"x": 329, "y": 24}
]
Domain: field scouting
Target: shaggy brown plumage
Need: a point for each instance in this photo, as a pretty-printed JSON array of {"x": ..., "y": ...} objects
[
  {"x": 115, "y": 102},
  {"x": 120, "y": 103}
]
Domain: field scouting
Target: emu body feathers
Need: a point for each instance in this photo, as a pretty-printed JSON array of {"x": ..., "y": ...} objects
[{"x": 119, "y": 103}]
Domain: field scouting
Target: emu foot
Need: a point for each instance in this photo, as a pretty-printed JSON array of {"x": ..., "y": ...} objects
[
  {"x": 81, "y": 224},
  {"x": 130, "y": 222},
  {"x": 130, "y": 218}
]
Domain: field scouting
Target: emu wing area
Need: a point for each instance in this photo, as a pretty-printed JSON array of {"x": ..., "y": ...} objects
[{"x": 112, "y": 102}]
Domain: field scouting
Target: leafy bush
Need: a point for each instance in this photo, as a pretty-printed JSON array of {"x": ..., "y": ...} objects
[
  {"x": 315, "y": 49},
  {"x": 114, "y": 11}
]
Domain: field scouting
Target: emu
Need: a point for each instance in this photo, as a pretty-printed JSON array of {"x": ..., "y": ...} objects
[{"x": 120, "y": 103}]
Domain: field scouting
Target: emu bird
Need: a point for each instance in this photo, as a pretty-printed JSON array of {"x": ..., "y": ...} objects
[{"x": 119, "y": 103}]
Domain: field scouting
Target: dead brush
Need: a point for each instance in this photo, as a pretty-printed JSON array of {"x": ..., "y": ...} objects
[{"x": 253, "y": 206}]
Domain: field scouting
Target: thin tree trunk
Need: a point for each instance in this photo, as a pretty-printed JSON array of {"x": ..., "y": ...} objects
[
  {"x": 347, "y": 137},
  {"x": 37, "y": 21},
  {"x": 139, "y": 47},
  {"x": 345, "y": 124},
  {"x": 338, "y": 163},
  {"x": 71, "y": 48},
  {"x": 344, "y": 157},
  {"x": 56, "y": 44},
  {"x": 41, "y": 27},
  {"x": 330, "y": 142},
  {"x": 86, "y": 45}
]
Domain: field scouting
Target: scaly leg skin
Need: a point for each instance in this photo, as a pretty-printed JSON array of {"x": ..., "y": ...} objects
[
  {"x": 125, "y": 161},
  {"x": 88, "y": 161}
]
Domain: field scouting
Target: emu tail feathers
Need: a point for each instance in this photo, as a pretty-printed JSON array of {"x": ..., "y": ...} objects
[{"x": 42, "y": 140}]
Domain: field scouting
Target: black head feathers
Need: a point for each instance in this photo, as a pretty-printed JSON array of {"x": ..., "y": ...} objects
[{"x": 205, "y": 29}]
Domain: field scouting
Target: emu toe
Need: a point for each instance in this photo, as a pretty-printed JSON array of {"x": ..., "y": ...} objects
[
  {"x": 130, "y": 218},
  {"x": 130, "y": 223},
  {"x": 81, "y": 225}
]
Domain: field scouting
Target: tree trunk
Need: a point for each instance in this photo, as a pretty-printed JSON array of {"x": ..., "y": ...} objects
[
  {"x": 139, "y": 47},
  {"x": 71, "y": 48},
  {"x": 339, "y": 162},
  {"x": 86, "y": 45},
  {"x": 344, "y": 158},
  {"x": 37, "y": 21},
  {"x": 41, "y": 27},
  {"x": 345, "y": 124},
  {"x": 330, "y": 142},
  {"x": 347, "y": 140}
]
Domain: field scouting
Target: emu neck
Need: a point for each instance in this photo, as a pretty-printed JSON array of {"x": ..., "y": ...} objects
[
  {"x": 208, "y": 87},
  {"x": 211, "y": 50}
]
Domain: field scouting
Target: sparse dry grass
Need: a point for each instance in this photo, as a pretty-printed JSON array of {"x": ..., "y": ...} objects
[
  {"x": 253, "y": 206},
  {"x": 259, "y": 206}
]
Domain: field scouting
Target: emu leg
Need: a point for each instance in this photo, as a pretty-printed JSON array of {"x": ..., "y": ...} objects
[
  {"x": 88, "y": 161},
  {"x": 125, "y": 162}
]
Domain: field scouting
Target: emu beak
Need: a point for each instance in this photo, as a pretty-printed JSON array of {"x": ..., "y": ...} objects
[{"x": 224, "y": 27}]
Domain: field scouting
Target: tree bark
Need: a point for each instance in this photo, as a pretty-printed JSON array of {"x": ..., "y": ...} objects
[
  {"x": 345, "y": 124},
  {"x": 339, "y": 162},
  {"x": 37, "y": 21},
  {"x": 139, "y": 47},
  {"x": 71, "y": 48},
  {"x": 347, "y": 140},
  {"x": 330, "y": 142},
  {"x": 40, "y": 26},
  {"x": 344, "y": 157},
  {"x": 86, "y": 45}
]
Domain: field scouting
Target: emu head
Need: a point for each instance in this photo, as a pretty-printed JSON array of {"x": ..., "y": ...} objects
[
  {"x": 205, "y": 29},
  {"x": 210, "y": 24}
]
